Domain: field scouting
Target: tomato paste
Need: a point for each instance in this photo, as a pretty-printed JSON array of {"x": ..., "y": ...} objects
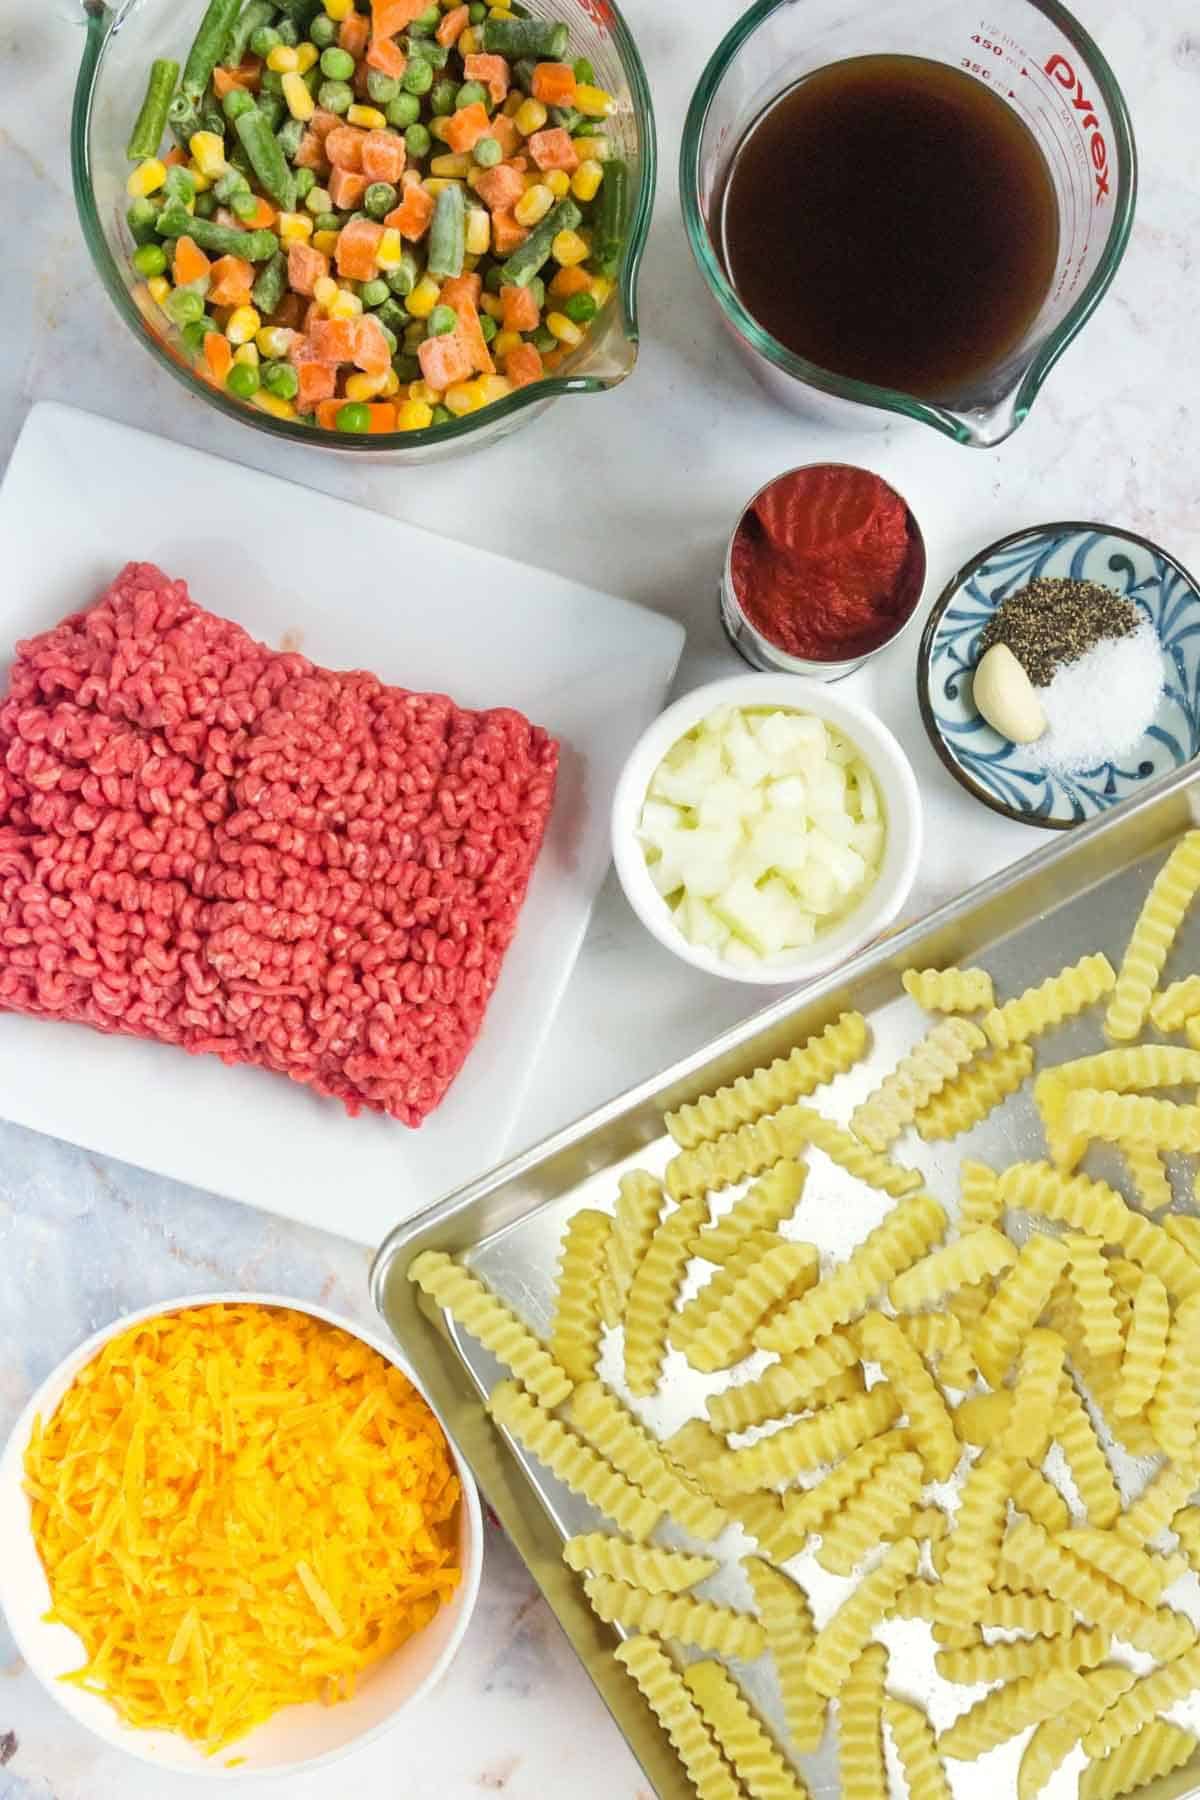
[{"x": 827, "y": 563}]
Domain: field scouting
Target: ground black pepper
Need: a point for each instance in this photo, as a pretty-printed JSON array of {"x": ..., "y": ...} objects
[{"x": 1055, "y": 621}]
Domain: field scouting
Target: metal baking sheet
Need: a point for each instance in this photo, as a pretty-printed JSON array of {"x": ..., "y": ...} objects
[{"x": 1073, "y": 897}]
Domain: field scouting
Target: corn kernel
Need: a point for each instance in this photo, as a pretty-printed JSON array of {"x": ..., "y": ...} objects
[
  {"x": 533, "y": 205},
  {"x": 294, "y": 228},
  {"x": 275, "y": 404},
  {"x": 423, "y": 298},
  {"x": 339, "y": 9},
  {"x": 559, "y": 183},
  {"x": 513, "y": 103},
  {"x": 208, "y": 151},
  {"x": 460, "y": 399},
  {"x": 363, "y": 387},
  {"x": 273, "y": 340},
  {"x": 500, "y": 12},
  {"x": 324, "y": 288},
  {"x": 504, "y": 341},
  {"x": 390, "y": 253},
  {"x": 243, "y": 322},
  {"x": 306, "y": 56},
  {"x": 529, "y": 117},
  {"x": 435, "y": 183},
  {"x": 568, "y": 248},
  {"x": 596, "y": 149},
  {"x": 564, "y": 329},
  {"x": 414, "y": 415},
  {"x": 468, "y": 41},
  {"x": 325, "y": 242},
  {"x": 593, "y": 102},
  {"x": 450, "y": 165},
  {"x": 600, "y": 290},
  {"x": 248, "y": 354},
  {"x": 147, "y": 178},
  {"x": 421, "y": 391},
  {"x": 473, "y": 176},
  {"x": 300, "y": 102},
  {"x": 492, "y": 305},
  {"x": 470, "y": 263},
  {"x": 282, "y": 60},
  {"x": 318, "y": 200},
  {"x": 391, "y": 384},
  {"x": 158, "y": 287},
  {"x": 369, "y": 117},
  {"x": 585, "y": 182},
  {"x": 200, "y": 180},
  {"x": 345, "y": 305},
  {"x": 438, "y": 129},
  {"x": 478, "y": 231}
]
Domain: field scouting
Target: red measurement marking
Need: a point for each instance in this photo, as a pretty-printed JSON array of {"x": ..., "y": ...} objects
[{"x": 1063, "y": 74}]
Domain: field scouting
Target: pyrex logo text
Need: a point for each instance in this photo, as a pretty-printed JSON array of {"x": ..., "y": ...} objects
[{"x": 1060, "y": 70}]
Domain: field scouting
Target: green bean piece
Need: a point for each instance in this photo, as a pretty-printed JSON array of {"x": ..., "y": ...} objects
[
  {"x": 270, "y": 284},
  {"x": 236, "y": 101},
  {"x": 289, "y": 33},
  {"x": 528, "y": 257},
  {"x": 306, "y": 181},
  {"x": 590, "y": 128},
  {"x": 151, "y": 121},
  {"x": 194, "y": 334},
  {"x": 543, "y": 39},
  {"x": 270, "y": 81},
  {"x": 288, "y": 138},
  {"x": 150, "y": 260},
  {"x": 379, "y": 199},
  {"x": 280, "y": 378},
  {"x": 418, "y": 77},
  {"x": 389, "y": 337},
  {"x": 141, "y": 218},
  {"x": 230, "y": 183},
  {"x": 256, "y": 246},
  {"x": 403, "y": 111},
  {"x": 493, "y": 281},
  {"x": 537, "y": 288},
  {"x": 443, "y": 98},
  {"x": 608, "y": 216},
  {"x": 244, "y": 204},
  {"x": 180, "y": 184},
  {"x": 242, "y": 380},
  {"x": 249, "y": 20},
  {"x": 448, "y": 234},
  {"x": 208, "y": 45},
  {"x": 354, "y": 416},
  {"x": 581, "y": 309},
  {"x": 435, "y": 54},
  {"x": 488, "y": 327},
  {"x": 487, "y": 153},
  {"x": 183, "y": 118},
  {"x": 418, "y": 140},
  {"x": 584, "y": 71},
  {"x": 266, "y": 158},
  {"x": 403, "y": 278},
  {"x": 472, "y": 91},
  {"x": 380, "y": 87},
  {"x": 205, "y": 204},
  {"x": 393, "y": 315},
  {"x": 407, "y": 367},
  {"x": 568, "y": 117},
  {"x": 323, "y": 31},
  {"x": 525, "y": 69},
  {"x": 442, "y": 319},
  {"x": 374, "y": 293},
  {"x": 300, "y": 12},
  {"x": 335, "y": 96},
  {"x": 273, "y": 108},
  {"x": 212, "y": 118}
]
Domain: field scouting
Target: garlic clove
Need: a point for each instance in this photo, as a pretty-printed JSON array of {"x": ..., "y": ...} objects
[{"x": 1007, "y": 698}]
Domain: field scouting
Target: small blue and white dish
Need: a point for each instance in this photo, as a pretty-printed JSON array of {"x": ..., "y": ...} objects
[{"x": 1008, "y": 777}]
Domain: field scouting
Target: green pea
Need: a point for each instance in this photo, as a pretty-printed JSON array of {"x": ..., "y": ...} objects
[
  {"x": 487, "y": 153},
  {"x": 441, "y": 415},
  {"x": 337, "y": 63},
  {"x": 418, "y": 77},
  {"x": 430, "y": 18},
  {"x": 323, "y": 31},
  {"x": 441, "y": 320},
  {"x": 493, "y": 281},
  {"x": 581, "y": 308},
  {"x": 194, "y": 334},
  {"x": 403, "y": 278},
  {"x": 585, "y": 74},
  {"x": 354, "y": 416},
  {"x": 418, "y": 141},
  {"x": 443, "y": 98},
  {"x": 380, "y": 87},
  {"x": 335, "y": 96},
  {"x": 244, "y": 205},
  {"x": 544, "y": 340},
  {"x": 243, "y": 381},
  {"x": 306, "y": 181},
  {"x": 590, "y": 128},
  {"x": 205, "y": 204},
  {"x": 236, "y": 102},
  {"x": 328, "y": 221},
  {"x": 150, "y": 260},
  {"x": 264, "y": 39},
  {"x": 140, "y": 219},
  {"x": 182, "y": 306},
  {"x": 379, "y": 199},
  {"x": 374, "y": 293},
  {"x": 488, "y": 327},
  {"x": 404, "y": 110},
  {"x": 472, "y": 91},
  {"x": 477, "y": 12},
  {"x": 280, "y": 378}
]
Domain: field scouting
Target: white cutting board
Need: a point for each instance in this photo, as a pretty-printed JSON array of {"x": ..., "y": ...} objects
[{"x": 351, "y": 589}]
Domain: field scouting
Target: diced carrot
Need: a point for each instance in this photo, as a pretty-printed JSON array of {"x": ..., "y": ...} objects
[
  {"x": 461, "y": 287},
  {"x": 357, "y": 245},
  {"x": 247, "y": 77},
  {"x": 463, "y": 129},
  {"x": 305, "y": 267},
  {"x": 317, "y": 379},
  {"x": 507, "y": 233},
  {"x": 411, "y": 218},
  {"x": 568, "y": 281},
  {"x": 343, "y": 147},
  {"x": 346, "y": 188},
  {"x": 292, "y": 311},
  {"x": 327, "y": 412},
  {"x": 232, "y": 279},
  {"x": 493, "y": 71},
  {"x": 471, "y": 334},
  {"x": 553, "y": 360},
  {"x": 452, "y": 25},
  {"x": 218, "y": 354},
  {"x": 383, "y": 156},
  {"x": 390, "y": 17},
  {"x": 189, "y": 263},
  {"x": 371, "y": 353},
  {"x": 353, "y": 33},
  {"x": 501, "y": 187},
  {"x": 387, "y": 56},
  {"x": 444, "y": 360},
  {"x": 332, "y": 340},
  {"x": 520, "y": 308},
  {"x": 263, "y": 216},
  {"x": 522, "y": 365},
  {"x": 505, "y": 132},
  {"x": 554, "y": 84},
  {"x": 322, "y": 123},
  {"x": 382, "y": 416},
  {"x": 553, "y": 149},
  {"x": 174, "y": 157},
  {"x": 310, "y": 152}
]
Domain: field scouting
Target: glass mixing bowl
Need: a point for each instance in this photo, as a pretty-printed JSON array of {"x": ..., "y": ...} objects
[
  {"x": 1037, "y": 59},
  {"x": 123, "y": 40}
]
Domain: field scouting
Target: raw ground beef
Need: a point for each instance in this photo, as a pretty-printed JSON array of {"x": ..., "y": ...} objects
[{"x": 222, "y": 846}]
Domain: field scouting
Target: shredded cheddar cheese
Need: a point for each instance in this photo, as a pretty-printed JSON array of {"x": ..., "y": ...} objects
[{"x": 239, "y": 1508}]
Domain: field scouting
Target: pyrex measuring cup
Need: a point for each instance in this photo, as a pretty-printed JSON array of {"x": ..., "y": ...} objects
[{"x": 1031, "y": 53}]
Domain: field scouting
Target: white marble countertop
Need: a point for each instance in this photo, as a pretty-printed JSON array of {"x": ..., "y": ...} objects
[{"x": 671, "y": 457}]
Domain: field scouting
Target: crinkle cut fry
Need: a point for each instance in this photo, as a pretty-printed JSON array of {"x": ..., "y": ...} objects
[{"x": 787, "y": 1079}]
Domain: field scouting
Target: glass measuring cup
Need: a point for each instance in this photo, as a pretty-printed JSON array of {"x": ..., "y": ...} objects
[{"x": 1038, "y": 60}]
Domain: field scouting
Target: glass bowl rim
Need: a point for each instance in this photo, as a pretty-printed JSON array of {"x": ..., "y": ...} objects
[
  {"x": 867, "y": 393},
  {"x": 104, "y": 20}
]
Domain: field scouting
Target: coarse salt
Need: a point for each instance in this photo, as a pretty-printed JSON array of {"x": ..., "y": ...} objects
[{"x": 1098, "y": 708}]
